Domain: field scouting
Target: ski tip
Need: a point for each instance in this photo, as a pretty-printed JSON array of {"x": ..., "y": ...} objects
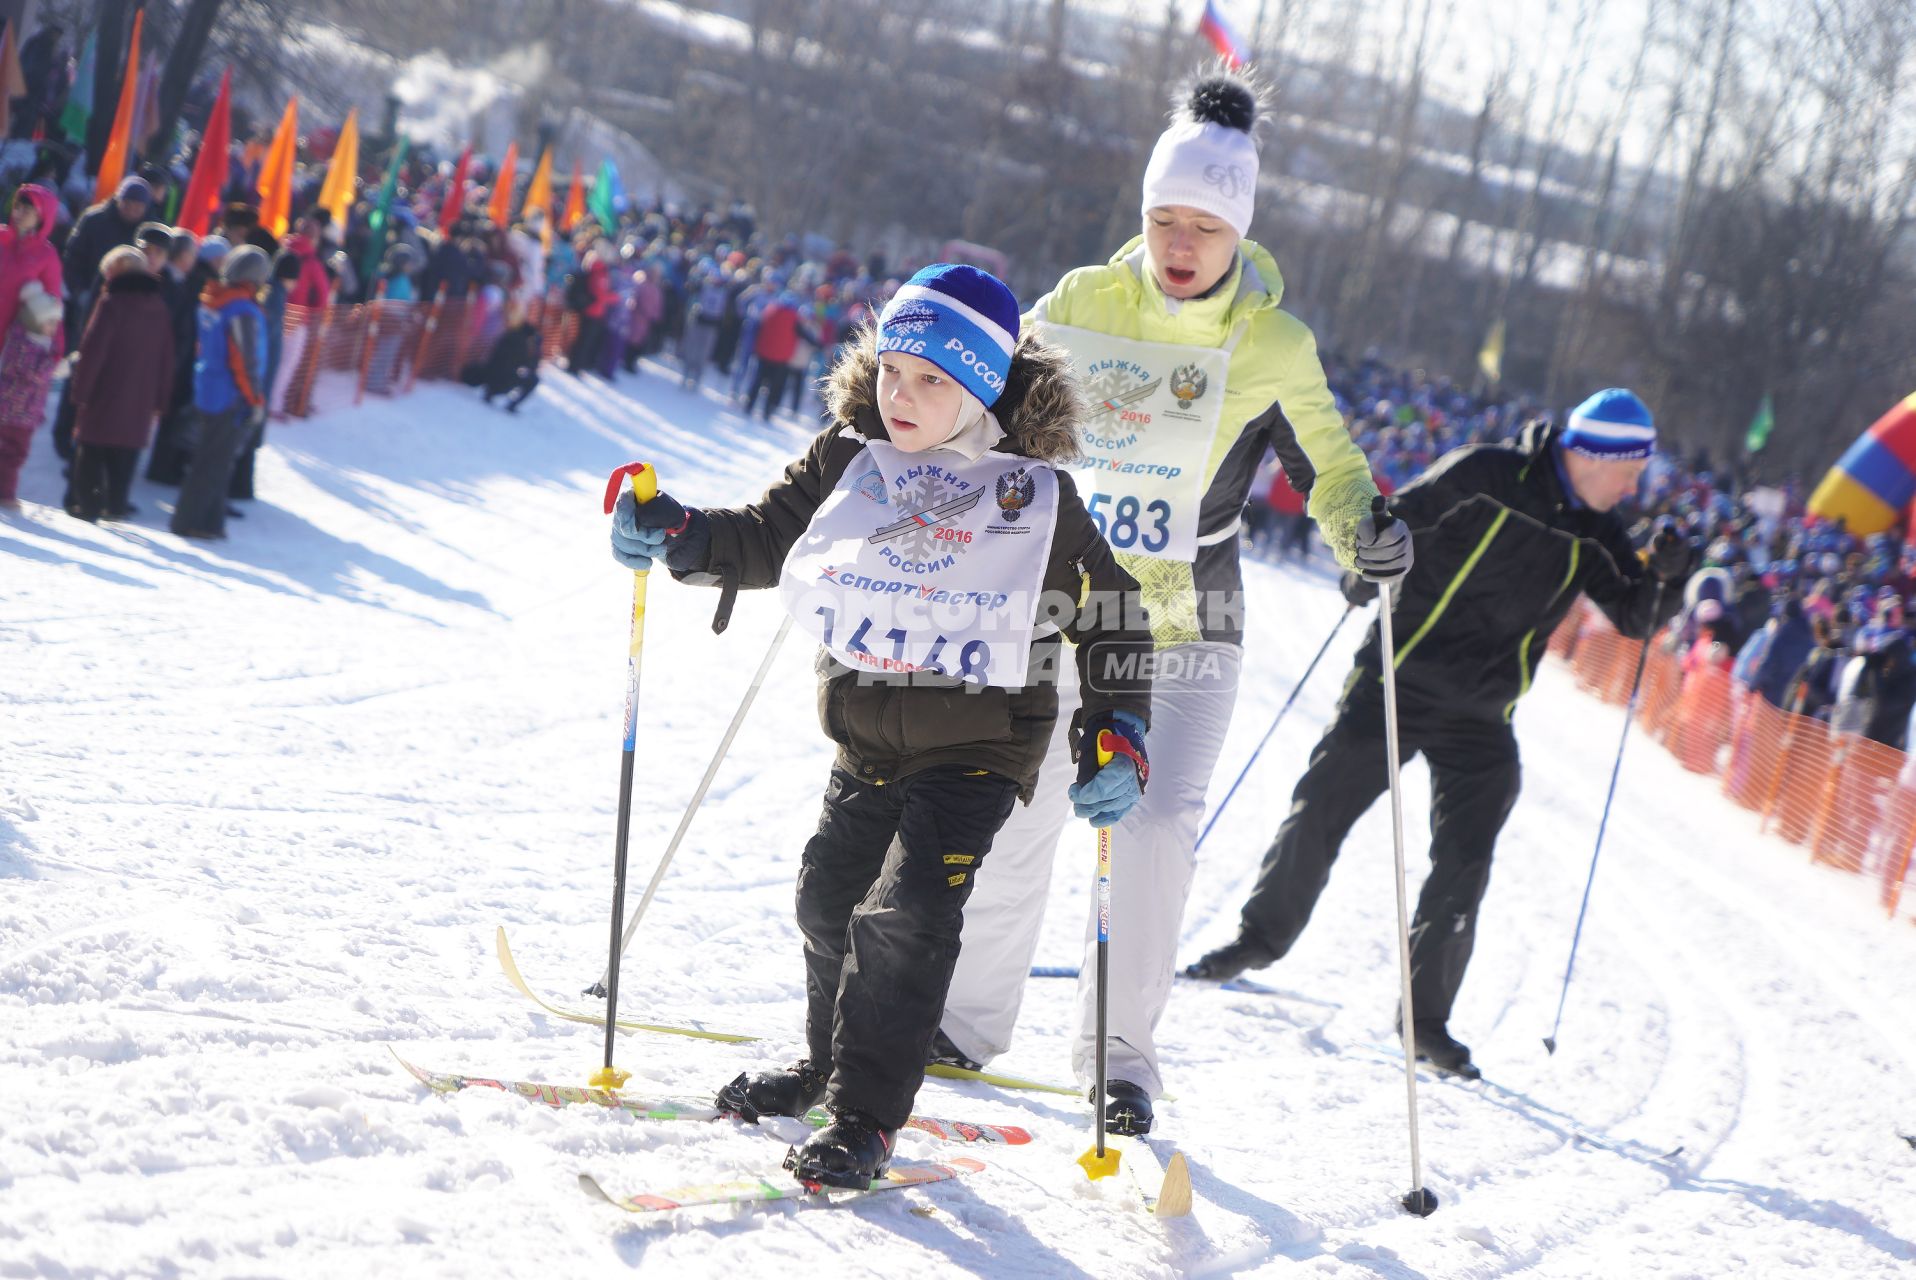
[
  {"x": 1174, "y": 1195},
  {"x": 1422, "y": 1202},
  {"x": 590, "y": 1185}
]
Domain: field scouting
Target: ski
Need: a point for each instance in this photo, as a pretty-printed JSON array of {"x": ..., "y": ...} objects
[
  {"x": 945, "y": 1071},
  {"x": 1241, "y": 985},
  {"x": 755, "y": 1189},
  {"x": 598, "y": 1019},
  {"x": 642, "y": 1108},
  {"x": 1165, "y": 1188}
]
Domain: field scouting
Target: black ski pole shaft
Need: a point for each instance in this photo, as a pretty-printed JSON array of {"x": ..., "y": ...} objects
[
  {"x": 645, "y": 486},
  {"x": 1603, "y": 824},
  {"x": 1245, "y": 772}
]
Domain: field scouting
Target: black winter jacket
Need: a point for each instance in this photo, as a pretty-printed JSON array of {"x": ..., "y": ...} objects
[
  {"x": 890, "y": 729},
  {"x": 1502, "y": 552}
]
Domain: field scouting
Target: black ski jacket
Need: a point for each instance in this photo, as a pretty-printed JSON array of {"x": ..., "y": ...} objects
[{"x": 1502, "y": 552}]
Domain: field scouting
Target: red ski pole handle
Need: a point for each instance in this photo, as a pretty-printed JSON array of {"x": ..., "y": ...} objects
[{"x": 645, "y": 483}]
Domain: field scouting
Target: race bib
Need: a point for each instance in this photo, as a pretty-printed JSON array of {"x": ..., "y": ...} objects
[
  {"x": 1155, "y": 410},
  {"x": 927, "y": 562}
]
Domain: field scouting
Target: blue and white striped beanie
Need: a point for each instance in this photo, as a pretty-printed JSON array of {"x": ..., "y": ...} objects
[
  {"x": 1612, "y": 425},
  {"x": 961, "y": 319}
]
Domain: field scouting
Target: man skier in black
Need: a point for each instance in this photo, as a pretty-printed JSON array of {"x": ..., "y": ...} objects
[{"x": 1506, "y": 536}]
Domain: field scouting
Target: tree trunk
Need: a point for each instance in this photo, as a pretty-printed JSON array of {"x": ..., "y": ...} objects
[
  {"x": 115, "y": 16},
  {"x": 189, "y": 48}
]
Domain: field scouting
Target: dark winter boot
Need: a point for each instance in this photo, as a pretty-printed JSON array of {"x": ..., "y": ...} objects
[
  {"x": 849, "y": 1152},
  {"x": 1127, "y": 1109},
  {"x": 946, "y": 1054},
  {"x": 1435, "y": 1046},
  {"x": 782, "y": 1091},
  {"x": 1229, "y": 961}
]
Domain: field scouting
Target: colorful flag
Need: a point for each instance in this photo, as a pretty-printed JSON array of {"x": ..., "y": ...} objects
[
  {"x": 202, "y": 200},
  {"x": 1761, "y": 425},
  {"x": 113, "y": 164},
  {"x": 1213, "y": 27},
  {"x": 13, "y": 81},
  {"x": 79, "y": 109},
  {"x": 276, "y": 174},
  {"x": 382, "y": 212},
  {"x": 607, "y": 196},
  {"x": 574, "y": 202},
  {"x": 146, "y": 110},
  {"x": 539, "y": 191},
  {"x": 336, "y": 196},
  {"x": 501, "y": 207},
  {"x": 1490, "y": 358}
]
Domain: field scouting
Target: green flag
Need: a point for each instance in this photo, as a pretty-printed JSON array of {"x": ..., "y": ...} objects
[
  {"x": 607, "y": 196},
  {"x": 1760, "y": 426},
  {"x": 382, "y": 208},
  {"x": 79, "y": 108}
]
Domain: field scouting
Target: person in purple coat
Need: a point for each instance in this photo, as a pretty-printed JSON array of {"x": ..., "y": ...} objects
[{"x": 121, "y": 383}]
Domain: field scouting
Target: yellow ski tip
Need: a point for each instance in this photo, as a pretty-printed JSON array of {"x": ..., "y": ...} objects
[
  {"x": 1174, "y": 1196},
  {"x": 1097, "y": 1166}
]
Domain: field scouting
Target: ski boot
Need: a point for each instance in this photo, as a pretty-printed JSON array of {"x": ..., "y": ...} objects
[
  {"x": 849, "y": 1153},
  {"x": 1127, "y": 1109},
  {"x": 1445, "y": 1055},
  {"x": 946, "y": 1054},
  {"x": 781, "y": 1091},
  {"x": 1229, "y": 961}
]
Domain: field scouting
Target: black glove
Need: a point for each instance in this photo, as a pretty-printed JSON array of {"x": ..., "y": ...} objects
[
  {"x": 644, "y": 531},
  {"x": 1383, "y": 544},
  {"x": 1670, "y": 554}
]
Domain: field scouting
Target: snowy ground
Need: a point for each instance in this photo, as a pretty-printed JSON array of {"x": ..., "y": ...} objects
[{"x": 264, "y": 802}]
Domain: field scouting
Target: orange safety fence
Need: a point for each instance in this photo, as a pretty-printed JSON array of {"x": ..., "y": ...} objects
[
  {"x": 384, "y": 346},
  {"x": 1849, "y": 801}
]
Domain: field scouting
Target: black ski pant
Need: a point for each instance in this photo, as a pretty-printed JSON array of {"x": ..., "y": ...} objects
[
  {"x": 881, "y": 903},
  {"x": 771, "y": 377},
  {"x": 1474, "y": 781},
  {"x": 102, "y": 475}
]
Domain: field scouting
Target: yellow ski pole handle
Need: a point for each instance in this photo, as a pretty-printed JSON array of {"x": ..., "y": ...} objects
[
  {"x": 644, "y": 482},
  {"x": 1101, "y": 1161}
]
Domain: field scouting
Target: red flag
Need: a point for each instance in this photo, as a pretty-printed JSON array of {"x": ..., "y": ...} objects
[
  {"x": 202, "y": 200},
  {"x": 456, "y": 197},
  {"x": 113, "y": 164}
]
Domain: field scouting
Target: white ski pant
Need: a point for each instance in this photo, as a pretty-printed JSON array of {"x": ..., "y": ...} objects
[{"x": 1153, "y": 855}]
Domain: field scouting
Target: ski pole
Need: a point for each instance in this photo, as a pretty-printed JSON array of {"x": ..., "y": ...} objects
[
  {"x": 645, "y": 486},
  {"x": 1616, "y": 768},
  {"x": 1246, "y": 771},
  {"x": 1419, "y": 1200},
  {"x": 1099, "y": 1162},
  {"x": 698, "y": 798}
]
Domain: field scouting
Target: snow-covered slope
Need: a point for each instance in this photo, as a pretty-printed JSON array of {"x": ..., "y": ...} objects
[{"x": 264, "y": 802}]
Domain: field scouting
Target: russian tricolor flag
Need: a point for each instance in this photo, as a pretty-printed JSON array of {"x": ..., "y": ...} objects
[{"x": 1214, "y": 28}]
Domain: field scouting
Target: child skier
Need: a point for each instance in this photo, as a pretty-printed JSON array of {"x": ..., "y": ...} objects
[{"x": 927, "y": 543}]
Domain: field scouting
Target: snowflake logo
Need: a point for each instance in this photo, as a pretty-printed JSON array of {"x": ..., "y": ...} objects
[{"x": 923, "y": 544}]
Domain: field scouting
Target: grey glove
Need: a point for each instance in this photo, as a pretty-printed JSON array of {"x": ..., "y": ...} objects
[
  {"x": 1383, "y": 544},
  {"x": 1671, "y": 554}
]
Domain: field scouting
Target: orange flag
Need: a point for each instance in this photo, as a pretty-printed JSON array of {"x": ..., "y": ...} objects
[
  {"x": 13, "y": 81},
  {"x": 574, "y": 202},
  {"x": 501, "y": 207},
  {"x": 113, "y": 164},
  {"x": 539, "y": 192},
  {"x": 276, "y": 175},
  {"x": 336, "y": 197},
  {"x": 202, "y": 199}
]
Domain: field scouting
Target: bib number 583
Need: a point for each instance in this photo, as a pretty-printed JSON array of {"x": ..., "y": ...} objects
[{"x": 1132, "y": 524}]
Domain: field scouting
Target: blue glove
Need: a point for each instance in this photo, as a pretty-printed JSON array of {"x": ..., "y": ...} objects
[
  {"x": 659, "y": 529},
  {"x": 1105, "y": 794}
]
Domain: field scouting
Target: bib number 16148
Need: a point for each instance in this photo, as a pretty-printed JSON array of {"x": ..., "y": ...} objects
[{"x": 1130, "y": 523}]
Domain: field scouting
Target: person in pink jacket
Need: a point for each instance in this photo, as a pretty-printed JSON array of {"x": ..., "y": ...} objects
[{"x": 29, "y": 348}]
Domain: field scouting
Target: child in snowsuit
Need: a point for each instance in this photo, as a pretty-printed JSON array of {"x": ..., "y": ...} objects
[
  {"x": 512, "y": 369},
  {"x": 229, "y": 389},
  {"x": 926, "y": 541}
]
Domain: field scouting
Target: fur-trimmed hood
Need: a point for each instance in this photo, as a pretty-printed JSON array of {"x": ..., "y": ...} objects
[{"x": 1039, "y": 410}]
